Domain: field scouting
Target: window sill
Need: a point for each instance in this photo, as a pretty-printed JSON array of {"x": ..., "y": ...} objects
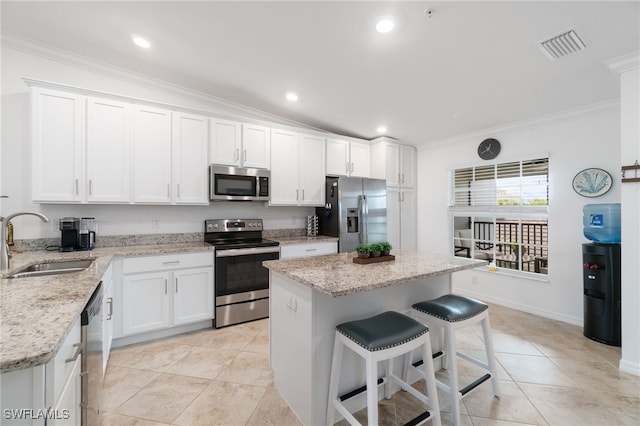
[{"x": 517, "y": 274}]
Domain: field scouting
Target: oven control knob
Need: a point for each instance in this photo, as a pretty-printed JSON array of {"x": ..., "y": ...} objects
[{"x": 215, "y": 225}]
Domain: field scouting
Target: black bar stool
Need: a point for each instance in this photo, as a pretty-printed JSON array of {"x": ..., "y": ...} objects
[
  {"x": 382, "y": 338},
  {"x": 450, "y": 313}
]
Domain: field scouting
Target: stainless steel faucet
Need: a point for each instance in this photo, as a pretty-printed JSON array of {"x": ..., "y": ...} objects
[{"x": 4, "y": 250}]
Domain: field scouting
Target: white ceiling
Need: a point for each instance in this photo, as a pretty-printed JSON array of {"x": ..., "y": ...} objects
[{"x": 471, "y": 66}]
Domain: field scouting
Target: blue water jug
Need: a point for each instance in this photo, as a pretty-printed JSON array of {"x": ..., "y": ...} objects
[{"x": 601, "y": 222}]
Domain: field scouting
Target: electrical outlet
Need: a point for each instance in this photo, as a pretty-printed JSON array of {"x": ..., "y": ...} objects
[
  {"x": 155, "y": 222},
  {"x": 474, "y": 279}
]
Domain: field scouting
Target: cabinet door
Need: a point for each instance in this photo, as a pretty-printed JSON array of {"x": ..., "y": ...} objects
[
  {"x": 393, "y": 216},
  {"x": 312, "y": 170},
  {"x": 284, "y": 168},
  {"x": 190, "y": 144},
  {"x": 392, "y": 164},
  {"x": 193, "y": 295},
  {"x": 67, "y": 408},
  {"x": 109, "y": 135},
  {"x": 145, "y": 302},
  {"x": 338, "y": 162},
  {"x": 57, "y": 121},
  {"x": 225, "y": 142},
  {"x": 408, "y": 219},
  {"x": 407, "y": 166},
  {"x": 152, "y": 155},
  {"x": 360, "y": 159},
  {"x": 256, "y": 146}
]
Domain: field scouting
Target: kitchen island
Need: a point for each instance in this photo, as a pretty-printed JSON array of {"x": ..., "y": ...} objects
[{"x": 309, "y": 297}]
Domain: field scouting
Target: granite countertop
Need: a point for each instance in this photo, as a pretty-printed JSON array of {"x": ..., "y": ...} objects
[
  {"x": 37, "y": 313},
  {"x": 337, "y": 274},
  {"x": 302, "y": 239}
]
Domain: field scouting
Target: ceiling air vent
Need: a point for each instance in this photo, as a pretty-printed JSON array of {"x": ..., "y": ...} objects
[{"x": 563, "y": 45}]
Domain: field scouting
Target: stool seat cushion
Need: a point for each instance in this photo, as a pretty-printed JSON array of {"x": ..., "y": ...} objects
[
  {"x": 382, "y": 331},
  {"x": 451, "y": 307}
]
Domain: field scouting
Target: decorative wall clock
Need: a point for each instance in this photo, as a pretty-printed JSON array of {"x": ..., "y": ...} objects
[
  {"x": 592, "y": 182},
  {"x": 489, "y": 149}
]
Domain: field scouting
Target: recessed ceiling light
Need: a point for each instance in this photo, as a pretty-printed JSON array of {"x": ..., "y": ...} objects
[
  {"x": 140, "y": 41},
  {"x": 381, "y": 129},
  {"x": 292, "y": 97},
  {"x": 384, "y": 25}
]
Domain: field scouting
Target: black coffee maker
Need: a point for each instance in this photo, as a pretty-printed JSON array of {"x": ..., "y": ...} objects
[{"x": 77, "y": 233}]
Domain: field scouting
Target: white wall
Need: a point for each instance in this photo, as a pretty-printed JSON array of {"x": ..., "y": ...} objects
[
  {"x": 573, "y": 141},
  {"x": 113, "y": 219},
  {"x": 630, "y": 137}
]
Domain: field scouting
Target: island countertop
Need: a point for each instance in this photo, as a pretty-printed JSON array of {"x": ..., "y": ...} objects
[{"x": 337, "y": 274}]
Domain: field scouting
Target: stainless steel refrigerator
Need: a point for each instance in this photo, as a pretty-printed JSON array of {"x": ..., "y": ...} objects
[{"x": 355, "y": 211}]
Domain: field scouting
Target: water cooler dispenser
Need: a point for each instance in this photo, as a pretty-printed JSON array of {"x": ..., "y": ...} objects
[{"x": 601, "y": 273}]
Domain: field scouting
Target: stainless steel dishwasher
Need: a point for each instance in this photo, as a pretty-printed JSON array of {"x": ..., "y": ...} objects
[{"x": 92, "y": 369}]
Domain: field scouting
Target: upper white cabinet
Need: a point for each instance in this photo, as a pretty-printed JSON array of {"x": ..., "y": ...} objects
[
  {"x": 57, "y": 120},
  {"x": 394, "y": 162},
  {"x": 152, "y": 155},
  {"x": 240, "y": 144},
  {"x": 189, "y": 160},
  {"x": 348, "y": 158},
  {"x": 297, "y": 169},
  {"x": 109, "y": 136}
]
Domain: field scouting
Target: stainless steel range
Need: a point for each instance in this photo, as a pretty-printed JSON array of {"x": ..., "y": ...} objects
[{"x": 241, "y": 282}]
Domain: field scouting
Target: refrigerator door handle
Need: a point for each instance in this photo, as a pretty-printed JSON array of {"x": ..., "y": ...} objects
[{"x": 362, "y": 218}]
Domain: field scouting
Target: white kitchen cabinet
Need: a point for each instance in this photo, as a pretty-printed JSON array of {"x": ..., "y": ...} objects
[
  {"x": 233, "y": 143},
  {"x": 189, "y": 159},
  {"x": 57, "y": 132},
  {"x": 159, "y": 292},
  {"x": 394, "y": 162},
  {"x": 297, "y": 169},
  {"x": 348, "y": 158},
  {"x": 152, "y": 155},
  {"x": 317, "y": 248},
  {"x": 54, "y": 385},
  {"x": 109, "y": 138},
  {"x": 401, "y": 218}
]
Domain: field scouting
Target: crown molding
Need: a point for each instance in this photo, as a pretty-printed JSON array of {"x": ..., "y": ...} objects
[
  {"x": 562, "y": 115},
  {"x": 108, "y": 70},
  {"x": 624, "y": 63}
]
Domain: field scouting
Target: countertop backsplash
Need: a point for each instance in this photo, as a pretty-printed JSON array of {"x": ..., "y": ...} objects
[{"x": 142, "y": 239}]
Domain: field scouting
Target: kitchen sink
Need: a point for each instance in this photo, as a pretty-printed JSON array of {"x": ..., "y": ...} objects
[{"x": 51, "y": 268}]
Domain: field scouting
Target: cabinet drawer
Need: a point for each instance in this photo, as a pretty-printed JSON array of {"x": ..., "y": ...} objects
[
  {"x": 63, "y": 363},
  {"x": 132, "y": 265},
  {"x": 308, "y": 249}
]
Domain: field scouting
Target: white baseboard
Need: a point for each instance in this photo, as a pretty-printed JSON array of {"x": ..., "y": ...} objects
[
  {"x": 522, "y": 307},
  {"x": 630, "y": 367}
]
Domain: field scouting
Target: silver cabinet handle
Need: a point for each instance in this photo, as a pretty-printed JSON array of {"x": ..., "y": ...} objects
[
  {"x": 90, "y": 187},
  {"x": 303, "y": 195},
  {"x": 312, "y": 249},
  {"x": 236, "y": 155},
  {"x": 297, "y": 195},
  {"x": 402, "y": 197},
  {"x": 399, "y": 178},
  {"x": 352, "y": 168},
  {"x": 399, "y": 197},
  {"x": 77, "y": 189},
  {"x": 165, "y": 286},
  {"x": 244, "y": 155},
  {"x": 402, "y": 178},
  {"x": 178, "y": 185},
  {"x": 346, "y": 167},
  {"x": 168, "y": 190},
  {"x": 171, "y": 262},
  {"x": 176, "y": 285},
  {"x": 110, "y": 303},
  {"x": 76, "y": 354}
]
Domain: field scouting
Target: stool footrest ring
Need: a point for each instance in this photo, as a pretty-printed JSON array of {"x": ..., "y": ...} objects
[
  {"x": 475, "y": 384},
  {"x": 419, "y": 419},
  {"x": 357, "y": 391},
  {"x": 434, "y": 356}
]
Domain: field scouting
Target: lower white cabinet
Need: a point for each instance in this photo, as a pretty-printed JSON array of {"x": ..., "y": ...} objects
[
  {"x": 319, "y": 248},
  {"x": 159, "y": 292},
  {"x": 48, "y": 390}
]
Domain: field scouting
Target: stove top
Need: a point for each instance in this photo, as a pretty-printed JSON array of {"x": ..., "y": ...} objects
[{"x": 235, "y": 233}]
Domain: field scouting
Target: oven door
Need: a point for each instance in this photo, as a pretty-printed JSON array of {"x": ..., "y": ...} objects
[{"x": 240, "y": 275}]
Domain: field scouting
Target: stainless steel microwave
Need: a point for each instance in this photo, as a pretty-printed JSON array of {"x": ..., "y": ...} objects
[{"x": 238, "y": 183}]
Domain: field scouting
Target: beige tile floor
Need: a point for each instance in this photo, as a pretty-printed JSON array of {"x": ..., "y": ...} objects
[{"x": 549, "y": 374}]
